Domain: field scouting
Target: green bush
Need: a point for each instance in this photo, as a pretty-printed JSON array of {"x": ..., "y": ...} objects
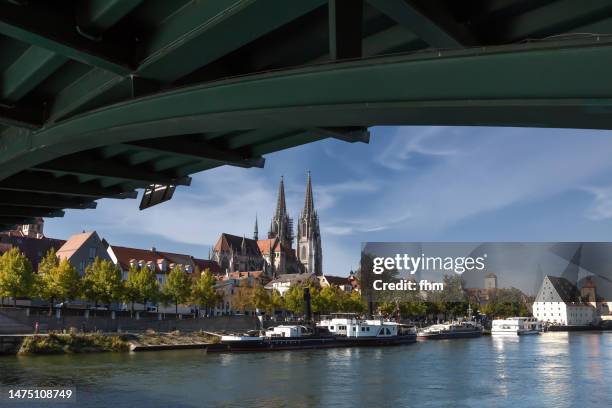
[{"x": 73, "y": 343}]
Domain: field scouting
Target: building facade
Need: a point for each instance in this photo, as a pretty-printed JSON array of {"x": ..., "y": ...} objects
[{"x": 560, "y": 302}]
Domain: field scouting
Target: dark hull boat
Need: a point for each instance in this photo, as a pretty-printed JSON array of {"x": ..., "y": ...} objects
[
  {"x": 343, "y": 331},
  {"x": 241, "y": 343},
  {"x": 462, "y": 330}
]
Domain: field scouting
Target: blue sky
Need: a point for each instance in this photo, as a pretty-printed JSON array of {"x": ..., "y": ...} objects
[{"x": 407, "y": 184}]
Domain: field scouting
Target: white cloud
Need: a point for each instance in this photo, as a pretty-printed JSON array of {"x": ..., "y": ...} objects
[
  {"x": 408, "y": 142},
  {"x": 601, "y": 208},
  {"x": 363, "y": 225}
]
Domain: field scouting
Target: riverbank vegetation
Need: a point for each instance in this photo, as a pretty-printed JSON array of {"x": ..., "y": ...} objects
[
  {"x": 153, "y": 338},
  {"x": 59, "y": 343}
]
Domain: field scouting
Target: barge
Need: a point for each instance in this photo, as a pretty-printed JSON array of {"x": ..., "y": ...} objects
[{"x": 338, "y": 331}]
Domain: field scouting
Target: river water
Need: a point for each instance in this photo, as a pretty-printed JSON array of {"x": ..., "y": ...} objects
[{"x": 553, "y": 369}]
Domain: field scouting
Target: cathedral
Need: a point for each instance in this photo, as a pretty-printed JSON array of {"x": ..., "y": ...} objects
[{"x": 276, "y": 254}]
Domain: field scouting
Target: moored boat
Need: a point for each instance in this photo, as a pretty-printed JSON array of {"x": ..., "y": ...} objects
[
  {"x": 455, "y": 330},
  {"x": 516, "y": 326},
  {"x": 338, "y": 331}
]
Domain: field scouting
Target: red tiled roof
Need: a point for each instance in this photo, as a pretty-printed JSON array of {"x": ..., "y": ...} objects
[
  {"x": 33, "y": 248},
  {"x": 125, "y": 255},
  {"x": 265, "y": 245}
]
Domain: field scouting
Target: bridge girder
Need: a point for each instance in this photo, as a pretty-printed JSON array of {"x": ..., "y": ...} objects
[{"x": 98, "y": 99}]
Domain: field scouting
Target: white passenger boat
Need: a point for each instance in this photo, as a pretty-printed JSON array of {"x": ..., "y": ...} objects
[
  {"x": 516, "y": 326},
  {"x": 456, "y": 330}
]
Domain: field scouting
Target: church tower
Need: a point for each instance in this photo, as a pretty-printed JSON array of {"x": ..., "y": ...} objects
[
  {"x": 256, "y": 230},
  {"x": 281, "y": 226},
  {"x": 309, "y": 236}
]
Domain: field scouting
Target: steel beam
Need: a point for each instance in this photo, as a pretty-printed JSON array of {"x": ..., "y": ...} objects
[
  {"x": 22, "y": 199},
  {"x": 351, "y": 135},
  {"x": 88, "y": 165},
  {"x": 345, "y": 26},
  {"x": 38, "y": 183},
  {"x": 43, "y": 25},
  {"x": 199, "y": 150},
  {"x": 514, "y": 85},
  {"x": 96, "y": 16},
  {"x": 434, "y": 27},
  {"x": 16, "y": 220},
  {"x": 20, "y": 117},
  {"x": 29, "y": 70},
  {"x": 13, "y": 211},
  {"x": 204, "y": 31}
]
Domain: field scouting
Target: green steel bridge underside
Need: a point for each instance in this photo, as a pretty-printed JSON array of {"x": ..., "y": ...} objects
[{"x": 100, "y": 98}]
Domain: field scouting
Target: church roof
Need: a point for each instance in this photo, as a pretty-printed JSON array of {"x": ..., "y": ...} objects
[
  {"x": 229, "y": 242},
  {"x": 266, "y": 244},
  {"x": 203, "y": 264}
]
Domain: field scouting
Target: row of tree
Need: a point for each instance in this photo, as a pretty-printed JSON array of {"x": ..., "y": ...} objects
[{"x": 58, "y": 281}]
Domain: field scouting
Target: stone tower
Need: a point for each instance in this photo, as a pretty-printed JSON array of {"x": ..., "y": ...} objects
[
  {"x": 281, "y": 226},
  {"x": 308, "y": 235}
]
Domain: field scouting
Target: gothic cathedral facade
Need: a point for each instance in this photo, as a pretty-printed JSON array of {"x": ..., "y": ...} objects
[{"x": 308, "y": 248}]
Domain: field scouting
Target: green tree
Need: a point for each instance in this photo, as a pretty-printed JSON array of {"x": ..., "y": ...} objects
[
  {"x": 352, "y": 302},
  {"x": 262, "y": 299},
  {"x": 413, "y": 309},
  {"x": 148, "y": 286},
  {"x": 243, "y": 298},
  {"x": 16, "y": 275},
  {"x": 47, "y": 287},
  {"x": 103, "y": 282},
  {"x": 68, "y": 280},
  {"x": 326, "y": 300},
  {"x": 294, "y": 299},
  {"x": 131, "y": 287},
  {"x": 178, "y": 287},
  {"x": 277, "y": 302},
  {"x": 204, "y": 292}
]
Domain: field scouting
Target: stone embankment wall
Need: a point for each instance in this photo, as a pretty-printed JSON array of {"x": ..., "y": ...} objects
[{"x": 125, "y": 323}]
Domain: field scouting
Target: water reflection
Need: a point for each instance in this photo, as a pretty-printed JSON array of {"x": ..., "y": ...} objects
[{"x": 554, "y": 369}]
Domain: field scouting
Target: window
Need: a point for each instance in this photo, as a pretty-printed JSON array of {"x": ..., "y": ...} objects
[
  {"x": 354, "y": 328},
  {"x": 331, "y": 327},
  {"x": 92, "y": 253}
]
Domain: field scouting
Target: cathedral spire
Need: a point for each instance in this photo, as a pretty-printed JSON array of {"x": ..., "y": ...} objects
[
  {"x": 281, "y": 206},
  {"x": 256, "y": 230},
  {"x": 308, "y": 198},
  {"x": 281, "y": 226}
]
